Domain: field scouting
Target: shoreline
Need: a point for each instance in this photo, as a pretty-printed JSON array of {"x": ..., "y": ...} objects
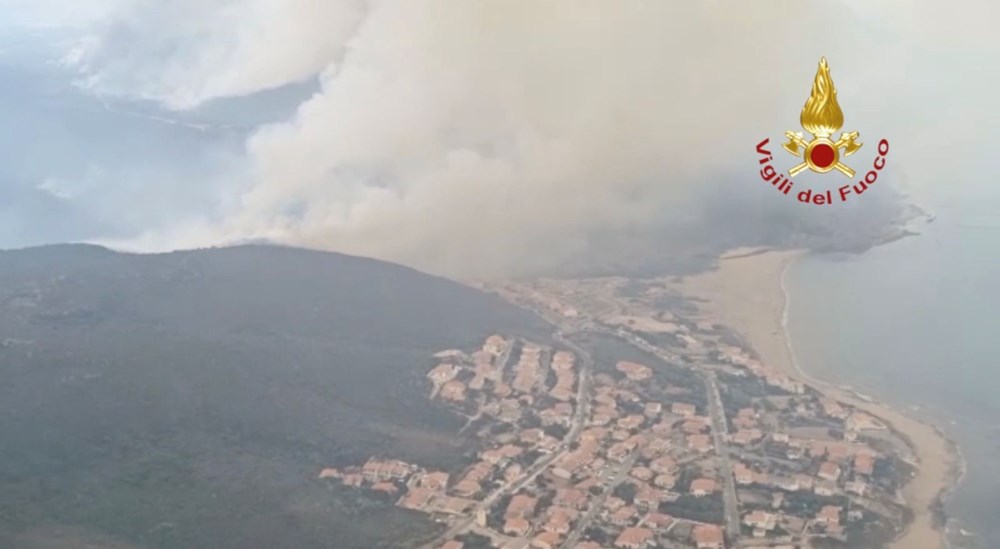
[
  {"x": 747, "y": 293},
  {"x": 957, "y": 464}
]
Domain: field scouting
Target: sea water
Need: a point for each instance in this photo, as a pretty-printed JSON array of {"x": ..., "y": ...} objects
[{"x": 915, "y": 324}]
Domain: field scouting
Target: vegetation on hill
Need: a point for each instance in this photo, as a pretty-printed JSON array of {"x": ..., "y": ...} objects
[{"x": 189, "y": 399}]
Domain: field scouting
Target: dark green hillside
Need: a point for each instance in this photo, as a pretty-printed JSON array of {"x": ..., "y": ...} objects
[{"x": 188, "y": 399}]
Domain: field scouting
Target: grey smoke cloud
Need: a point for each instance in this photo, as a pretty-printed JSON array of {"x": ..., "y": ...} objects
[{"x": 497, "y": 136}]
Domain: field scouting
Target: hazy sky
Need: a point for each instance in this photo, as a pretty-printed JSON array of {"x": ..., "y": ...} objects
[{"x": 459, "y": 136}]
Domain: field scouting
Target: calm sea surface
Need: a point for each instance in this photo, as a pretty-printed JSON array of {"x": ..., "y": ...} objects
[{"x": 915, "y": 323}]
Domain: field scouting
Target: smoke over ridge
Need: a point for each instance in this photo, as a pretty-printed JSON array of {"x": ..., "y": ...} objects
[{"x": 487, "y": 137}]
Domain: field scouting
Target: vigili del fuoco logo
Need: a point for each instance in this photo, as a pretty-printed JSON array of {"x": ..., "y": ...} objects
[{"x": 821, "y": 116}]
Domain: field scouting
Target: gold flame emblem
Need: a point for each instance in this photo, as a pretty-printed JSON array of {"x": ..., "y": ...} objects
[{"x": 822, "y": 117}]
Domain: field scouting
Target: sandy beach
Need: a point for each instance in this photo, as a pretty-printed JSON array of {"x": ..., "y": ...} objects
[{"x": 746, "y": 293}]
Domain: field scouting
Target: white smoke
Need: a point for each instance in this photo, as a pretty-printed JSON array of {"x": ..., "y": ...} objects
[
  {"x": 183, "y": 53},
  {"x": 479, "y": 137}
]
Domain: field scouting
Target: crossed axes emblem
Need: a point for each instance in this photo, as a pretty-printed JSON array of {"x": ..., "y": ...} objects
[{"x": 821, "y": 154}]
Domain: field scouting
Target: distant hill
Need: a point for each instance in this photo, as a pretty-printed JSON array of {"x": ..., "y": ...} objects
[{"x": 188, "y": 399}]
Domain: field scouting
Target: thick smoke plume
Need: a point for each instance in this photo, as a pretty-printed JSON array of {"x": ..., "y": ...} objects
[{"x": 492, "y": 136}]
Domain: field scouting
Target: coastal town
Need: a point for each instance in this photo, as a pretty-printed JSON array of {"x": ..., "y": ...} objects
[{"x": 640, "y": 428}]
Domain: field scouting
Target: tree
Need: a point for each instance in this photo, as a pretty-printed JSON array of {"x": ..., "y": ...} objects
[
  {"x": 625, "y": 491},
  {"x": 473, "y": 540}
]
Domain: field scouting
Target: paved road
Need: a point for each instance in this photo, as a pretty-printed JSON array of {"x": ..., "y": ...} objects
[
  {"x": 720, "y": 431},
  {"x": 580, "y": 414},
  {"x": 582, "y": 410},
  {"x": 663, "y": 354},
  {"x": 617, "y": 477},
  {"x": 504, "y": 359}
]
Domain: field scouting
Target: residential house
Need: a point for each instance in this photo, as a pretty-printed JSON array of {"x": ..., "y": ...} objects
[
  {"x": 521, "y": 506},
  {"x": 630, "y": 423},
  {"x": 516, "y": 527},
  {"x": 634, "y": 371},
  {"x": 375, "y": 470},
  {"x": 571, "y": 498},
  {"x": 623, "y": 516},
  {"x": 546, "y": 540},
  {"x": 857, "y": 487},
  {"x": 829, "y": 471},
  {"x": 652, "y": 409},
  {"x": 695, "y": 425},
  {"x": 647, "y": 497},
  {"x": 699, "y": 443},
  {"x": 454, "y": 391},
  {"x": 634, "y": 538},
  {"x": 832, "y": 408},
  {"x": 665, "y": 481},
  {"x": 701, "y": 487},
  {"x": 658, "y": 520},
  {"x": 708, "y": 536},
  {"x": 436, "y": 480},
  {"x": 641, "y": 473},
  {"x": 760, "y": 520},
  {"x": 494, "y": 344},
  {"x": 742, "y": 474},
  {"x": 683, "y": 409},
  {"x": 860, "y": 421},
  {"x": 663, "y": 465},
  {"x": 442, "y": 373},
  {"x": 747, "y": 436},
  {"x": 416, "y": 498},
  {"x": 829, "y": 515},
  {"x": 466, "y": 488},
  {"x": 864, "y": 463},
  {"x": 613, "y": 504}
]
